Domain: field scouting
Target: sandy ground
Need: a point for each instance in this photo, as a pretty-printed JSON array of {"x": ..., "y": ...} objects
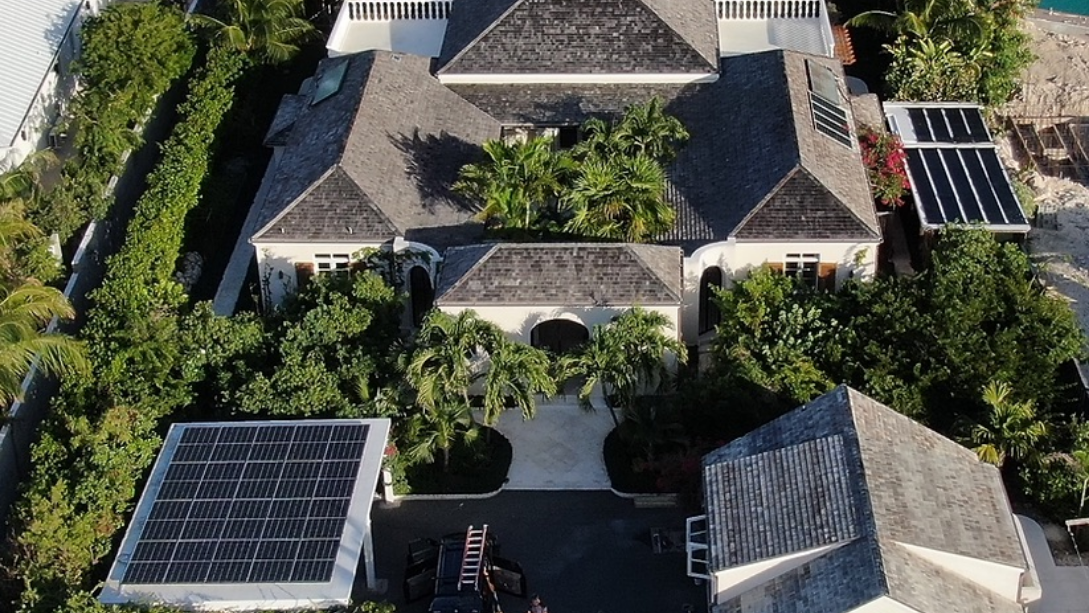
[{"x": 1057, "y": 84}]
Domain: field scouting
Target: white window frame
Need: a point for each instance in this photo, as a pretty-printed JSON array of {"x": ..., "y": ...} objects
[
  {"x": 332, "y": 262},
  {"x": 802, "y": 265},
  {"x": 697, "y": 548}
]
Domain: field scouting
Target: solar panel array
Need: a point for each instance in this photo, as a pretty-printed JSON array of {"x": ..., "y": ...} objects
[
  {"x": 962, "y": 185},
  {"x": 949, "y": 125},
  {"x": 250, "y": 504},
  {"x": 829, "y": 113}
]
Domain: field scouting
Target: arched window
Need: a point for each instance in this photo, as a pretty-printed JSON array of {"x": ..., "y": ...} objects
[
  {"x": 558, "y": 335},
  {"x": 709, "y": 313}
]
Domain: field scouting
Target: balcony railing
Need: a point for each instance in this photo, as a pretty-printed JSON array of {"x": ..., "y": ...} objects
[
  {"x": 768, "y": 9},
  {"x": 401, "y": 9}
]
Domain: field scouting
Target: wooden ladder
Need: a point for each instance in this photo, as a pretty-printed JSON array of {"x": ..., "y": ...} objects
[{"x": 473, "y": 557}]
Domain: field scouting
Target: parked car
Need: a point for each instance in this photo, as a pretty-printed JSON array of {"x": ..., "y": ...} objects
[{"x": 462, "y": 572}]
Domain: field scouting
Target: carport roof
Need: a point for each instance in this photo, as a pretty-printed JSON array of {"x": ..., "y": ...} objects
[
  {"x": 561, "y": 274},
  {"x": 882, "y": 501}
]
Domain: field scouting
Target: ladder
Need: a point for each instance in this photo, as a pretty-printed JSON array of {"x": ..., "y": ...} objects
[{"x": 473, "y": 557}]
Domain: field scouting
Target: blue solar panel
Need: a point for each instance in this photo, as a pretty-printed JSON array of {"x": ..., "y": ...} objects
[
  {"x": 948, "y": 125},
  {"x": 962, "y": 185},
  {"x": 250, "y": 504}
]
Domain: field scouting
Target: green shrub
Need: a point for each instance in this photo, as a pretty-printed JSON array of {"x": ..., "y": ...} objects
[{"x": 132, "y": 53}]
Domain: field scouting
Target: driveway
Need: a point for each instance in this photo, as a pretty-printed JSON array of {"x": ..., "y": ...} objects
[{"x": 584, "y": 552}]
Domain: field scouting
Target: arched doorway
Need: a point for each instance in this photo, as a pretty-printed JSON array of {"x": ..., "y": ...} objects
[
  {"x": 709, "y": 313},
  {"x": 421, "y": 293},
  {"x": 558, "y": 335}
]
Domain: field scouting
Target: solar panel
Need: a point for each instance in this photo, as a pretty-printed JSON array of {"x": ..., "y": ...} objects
[
  {"x": 250, "y": 504},
  {"x": 962, "y": 185},
  {"x": 958, "y": 124},
  {"x": 830, "y": 119}
]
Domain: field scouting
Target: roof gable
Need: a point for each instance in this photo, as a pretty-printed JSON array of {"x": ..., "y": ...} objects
[
  {"x": 911, "y": 489},
  {"x": 582, "y": 37},
  {"x": 801, "y": 208},
  {"x": 560, "y": 274},
  {"x": 395, "y": 133},
  {"x": 333, "y": 209}
]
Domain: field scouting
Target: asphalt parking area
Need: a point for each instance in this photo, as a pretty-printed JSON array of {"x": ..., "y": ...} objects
[{"x": 584, "y": 552}]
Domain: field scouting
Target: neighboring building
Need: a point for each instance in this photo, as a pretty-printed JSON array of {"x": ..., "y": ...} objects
[
  {"x": 846, "y": 505},
  {"x": 366, "y": 153},
  {"x": 39, "y": 39},
  {"x": 420, "y": 27},
  {"x": 256, "y": 515},
  {"x": 953, "y": 166}
]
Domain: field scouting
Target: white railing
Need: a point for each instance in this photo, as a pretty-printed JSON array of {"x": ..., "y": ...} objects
[
  {"x": 768, "y": 9},
  {"x": 374, "y": 10}
]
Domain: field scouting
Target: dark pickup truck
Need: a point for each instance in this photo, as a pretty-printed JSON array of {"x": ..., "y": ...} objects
[{"x": 462, "y": 572}]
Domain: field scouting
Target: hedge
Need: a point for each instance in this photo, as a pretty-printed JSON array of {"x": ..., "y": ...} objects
[
  {"x": 102, "y": 436},
  {"x": 132, "y": 53}
]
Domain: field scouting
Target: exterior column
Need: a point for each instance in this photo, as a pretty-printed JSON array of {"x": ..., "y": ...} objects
[{"x": 368, "y": 556}]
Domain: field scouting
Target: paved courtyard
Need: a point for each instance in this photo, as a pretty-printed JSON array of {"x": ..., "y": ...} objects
[
  {"x": 560, "y": 449},
  {"x": 584, "y": 552}
]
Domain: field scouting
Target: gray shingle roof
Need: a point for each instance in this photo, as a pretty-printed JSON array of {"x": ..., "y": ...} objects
[
  {"x": 560, "y": 274},
  {"x": 396, "y": 139},
  {"x": 581, "y": 36},
  {"x": 905, "y": 484},
  {"x": 754, "y": 168}
]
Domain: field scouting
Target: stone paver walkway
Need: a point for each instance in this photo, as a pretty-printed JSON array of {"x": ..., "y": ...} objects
[
  {"x": 1064, "y": 589},
  {"x": 561, "y": 449}
]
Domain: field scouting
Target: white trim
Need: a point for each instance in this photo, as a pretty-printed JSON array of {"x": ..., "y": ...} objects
[{"x": 702, "y": 77}]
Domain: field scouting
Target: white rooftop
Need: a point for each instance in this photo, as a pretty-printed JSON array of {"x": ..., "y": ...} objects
[
  {"x": 253, "y": 515},
  {"x": 738, "y": 36},
  {"x": 31, "y": 32}
]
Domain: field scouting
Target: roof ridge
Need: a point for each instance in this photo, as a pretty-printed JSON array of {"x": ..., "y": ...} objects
[
  {"x": 634, "y": 249},
  {"x": 495, "y": 22},
  {"x": 465, "y": 275}
]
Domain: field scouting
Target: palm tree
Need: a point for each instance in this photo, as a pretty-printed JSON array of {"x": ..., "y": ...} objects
[
  {"x": 444, "y": 364},
  {"x": 24, "y": 312},
  {"x": 267, "y": 29},
  {"x": 957, "y": 20},
  {"x": 620, "y": 198},
  {"x": 1012, "y": 429},
  {"x": 441, "y": 429},
  {"x": 24, "y": 182},
  {"x": 516, "y": 373},
  {"x": 647, "y": 129},
  {"x": 624, "y": 357},
  {"x": 516, "y": 181}
]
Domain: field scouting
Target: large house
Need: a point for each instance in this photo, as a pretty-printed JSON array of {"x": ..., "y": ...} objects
[
  {"x": 846, "y": 505},
  {"x": 365, "y": 155},
  {"x": 39, "y": 39}
]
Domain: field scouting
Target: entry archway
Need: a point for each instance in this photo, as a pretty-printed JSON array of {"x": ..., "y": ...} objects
[
  {"x": 558, "y": 335},
  {"x": 710, "y": 316},
  {"x": 421, "y": 294}
]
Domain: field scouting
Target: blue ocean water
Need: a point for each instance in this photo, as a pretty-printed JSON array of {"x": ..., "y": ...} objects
[{"x": 1081, "y": 7}]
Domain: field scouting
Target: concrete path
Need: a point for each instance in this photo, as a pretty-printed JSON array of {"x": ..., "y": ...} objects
[
  {"x": 234, "y": 276},
  {"x": 561, "y": 449},
  {"x": 1065, "y": 589}
]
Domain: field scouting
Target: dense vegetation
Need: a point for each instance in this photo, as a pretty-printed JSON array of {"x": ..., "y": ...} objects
[
  {"x": 132, "y": 53},
  {"x": 611, "y": 185},
  {"x": 953, "y": 50}
]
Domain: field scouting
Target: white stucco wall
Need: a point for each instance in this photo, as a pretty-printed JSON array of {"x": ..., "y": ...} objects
[
  {"x": 518, "y": 321},
  {"x": 736, "y": 259},
  {"x": 276, "y": 261},
  {"x": 733, "y": 582}
]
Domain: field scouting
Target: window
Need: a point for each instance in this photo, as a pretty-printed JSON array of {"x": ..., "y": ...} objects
[
  {"x": 329, "y": 81},
  {"x": 804, "y": 266},
  {"x": 332, "y": 262},
  {"x": 569, "y": 137}
]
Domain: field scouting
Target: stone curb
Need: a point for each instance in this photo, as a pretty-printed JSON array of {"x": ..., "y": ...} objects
[{"x": 448, "y": 496}]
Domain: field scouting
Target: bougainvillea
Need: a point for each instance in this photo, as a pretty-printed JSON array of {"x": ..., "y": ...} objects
[{"x": 884, "y": 157}]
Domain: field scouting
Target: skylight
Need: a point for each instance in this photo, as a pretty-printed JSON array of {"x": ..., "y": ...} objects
[
  {"x": 829, "y": 111},
  {"x": 329, "y": 82}
]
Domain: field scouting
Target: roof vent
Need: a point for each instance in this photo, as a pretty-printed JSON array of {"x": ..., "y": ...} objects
[{"x": 349, "y": 229}]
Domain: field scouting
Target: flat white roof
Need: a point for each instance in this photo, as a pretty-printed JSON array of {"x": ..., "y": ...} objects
[
  {"x": 252, "y": 515},
  {"x": 738, "y": 36},
  {"x": 31, "y": 33}
]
